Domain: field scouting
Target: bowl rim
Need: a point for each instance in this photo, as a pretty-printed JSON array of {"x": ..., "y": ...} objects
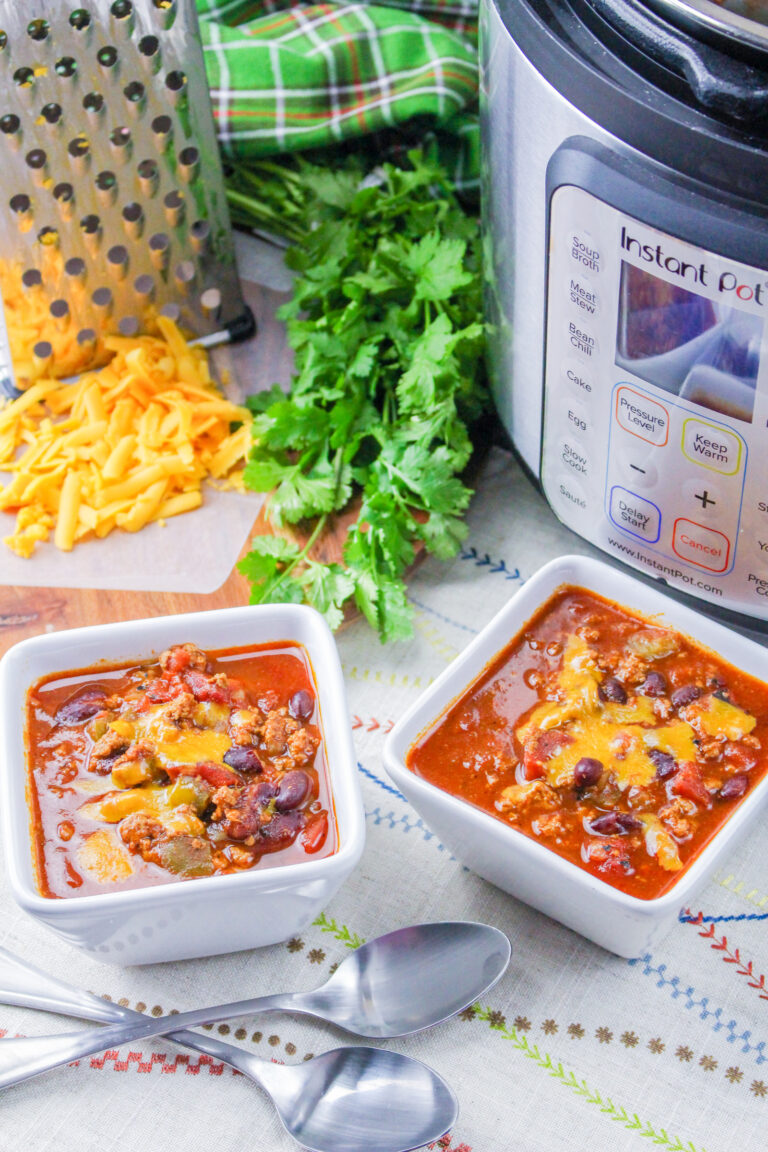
[
  {"x": 619, "y": 587},
  {"x": 318, "y": 643}
]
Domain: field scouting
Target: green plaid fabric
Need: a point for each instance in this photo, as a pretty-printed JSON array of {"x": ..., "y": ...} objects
[{"x": 288, "y": 76}]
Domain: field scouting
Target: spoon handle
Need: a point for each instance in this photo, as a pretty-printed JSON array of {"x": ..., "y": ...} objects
[{"x": 26, "y": 986}]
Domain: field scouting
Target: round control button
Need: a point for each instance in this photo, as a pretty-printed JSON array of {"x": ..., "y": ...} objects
[
  {"x": 582, "y": 296},
  {"x": 573, "y": 457},
  {"x": 575, "y": 420},
  {"x": 704, "y": 500},
  {"x": 583, "y": 250},
  {"x": 577, "y": 378},
  {"x": 639, "y": 472},
  {"x": 581, "y": 340}
]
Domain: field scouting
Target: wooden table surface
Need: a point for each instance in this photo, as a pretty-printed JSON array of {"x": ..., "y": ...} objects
[{"x": 28, "y": 611}]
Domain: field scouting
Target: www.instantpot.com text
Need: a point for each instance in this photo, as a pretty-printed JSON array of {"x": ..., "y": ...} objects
[{"x": 674, "y": 573}]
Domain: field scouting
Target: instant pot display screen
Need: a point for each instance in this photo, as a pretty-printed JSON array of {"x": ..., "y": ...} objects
[{"x": 704, "y": 351}]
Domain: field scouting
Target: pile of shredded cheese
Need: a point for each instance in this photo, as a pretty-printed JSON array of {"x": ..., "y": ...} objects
[{"x": 120, "y": 447}]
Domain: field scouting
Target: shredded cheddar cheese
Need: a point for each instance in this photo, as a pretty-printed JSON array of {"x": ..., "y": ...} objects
[{"x": 122, "y": 446}]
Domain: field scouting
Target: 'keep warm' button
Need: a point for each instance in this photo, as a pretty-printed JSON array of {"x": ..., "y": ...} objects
[
  {"x": 701, "y": 546},
  {"x": 711, "y": 446}
]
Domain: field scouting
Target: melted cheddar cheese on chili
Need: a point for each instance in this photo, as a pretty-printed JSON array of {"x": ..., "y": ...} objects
[
  {"x": 193, "y": 765},
  {"x": 619, "y": 744}
]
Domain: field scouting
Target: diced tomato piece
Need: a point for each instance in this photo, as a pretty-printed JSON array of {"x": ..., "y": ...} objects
[
  {"x": 687, "y": 782},
  {"x": 313, "y": 836},
  {"x": 203, "y": 688},
  {"x": 539, "y": 748},
  {"x": 165, "y": 688},
  {"x": 216, "y": 774},
  {"x": 740, "y": 756}
]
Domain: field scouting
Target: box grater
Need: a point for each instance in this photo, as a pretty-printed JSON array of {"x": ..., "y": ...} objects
[{"x": 112, "y": 201}]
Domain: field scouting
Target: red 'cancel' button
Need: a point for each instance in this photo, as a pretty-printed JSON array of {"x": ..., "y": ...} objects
[{"x": 700, "y": 545}]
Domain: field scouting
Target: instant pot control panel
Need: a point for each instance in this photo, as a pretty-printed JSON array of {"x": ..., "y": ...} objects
[{"x": 655, "y": 422}]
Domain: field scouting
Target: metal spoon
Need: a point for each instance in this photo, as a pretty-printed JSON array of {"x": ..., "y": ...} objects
[
  {"x": 397, "y": 984},
  {"x": 341, "y": 1101}
]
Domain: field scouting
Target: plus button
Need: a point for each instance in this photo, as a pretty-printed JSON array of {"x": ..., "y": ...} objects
[{"x": 705, "y": 498}]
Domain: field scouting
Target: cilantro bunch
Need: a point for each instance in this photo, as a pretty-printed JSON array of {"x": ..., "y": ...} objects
[{"x": 386, "y": 324}]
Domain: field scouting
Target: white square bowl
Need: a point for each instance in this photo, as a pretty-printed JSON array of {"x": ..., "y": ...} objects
[
  {"x": 500, "y": 853},
  {"x": 205, "y": 916}
]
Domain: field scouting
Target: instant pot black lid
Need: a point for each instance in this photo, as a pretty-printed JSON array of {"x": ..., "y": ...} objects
[
  {"x": 734, "y": 26},
  {"x": 636, "y": 96}
]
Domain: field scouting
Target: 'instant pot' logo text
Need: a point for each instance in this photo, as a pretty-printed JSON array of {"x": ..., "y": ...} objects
[{"x": 727, "y": 283}]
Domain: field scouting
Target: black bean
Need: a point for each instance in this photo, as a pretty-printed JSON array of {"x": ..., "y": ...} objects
[
  {"x": 734, "y": 787},
  {"x": 301, "y": 705},
  {"x": 281, "y": 830},
  {"x": 292, "y": 790},
  {"x": 655, "y": 684},
  {"x": 614, "y": 824},
  {"x": 587, "y": 772},
  {"x": 81, "y": 707},
  {"x": 242, "y": 759},
  {"x": 613, "y": 689},
  {"x": 665, "y": 764},
  {"x": 686, "y": 695}
]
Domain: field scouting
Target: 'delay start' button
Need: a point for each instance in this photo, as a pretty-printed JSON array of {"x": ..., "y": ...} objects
[
  {"x": 635, "y": 514},
  {"x": 700, "y": 545}
]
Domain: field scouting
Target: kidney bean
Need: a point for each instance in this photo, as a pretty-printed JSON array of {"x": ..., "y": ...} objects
[
  {"x": 313, "y": 836},
  {"x": 242, "y": 759},
  {"x": 614, "y": 824},
  {"x": 301, "y": 705},
  {"x": 588, "y": 771},
  {"x": 665, "y": 764},
  {"x": 655, "y": 684},
  {"x": 734, "y": 787},
  {"x": 685, "y": 695},
  {"x": 613, "y": 689},
  {"x": 81, "y": 707},
  {"x": 281, "y": 831},
  {"x": 292, "y": 790}
]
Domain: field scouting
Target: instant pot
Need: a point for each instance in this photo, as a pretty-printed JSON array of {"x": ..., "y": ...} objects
[{"x": 625, "y": 173}]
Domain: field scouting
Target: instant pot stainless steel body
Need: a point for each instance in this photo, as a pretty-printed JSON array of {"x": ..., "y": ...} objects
[{"x": 625, "y": 193}]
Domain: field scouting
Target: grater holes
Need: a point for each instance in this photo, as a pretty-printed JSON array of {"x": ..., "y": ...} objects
[
  {"x": 31, "y": 279},
  {"x": 86, "y": 337},
  {"x": 144, "y": 287},
  {"x": 107, "y": 56},
  {"x": 200, "y": 235},
  {"x": 172, "y": 311},
  {"x": 78, "y": 147},
  {"x": 159, "y": 250},
  {"x": 10, "y": 124},
  {"x": 48, "y": 236},
  {"x": 75, "y": 268},
  {"x": 38, "y": 29},
  {"x": 165, "y": 12},
  {"x": 149, "y": 175},
  {"x": 189, "y": 164},
  {"x": 122, "y": 9},
  {"x": 93, "y": 102},
  {"x": 3, "y": 40},
  {"x": 42, "y": 351},
  {"x": 162, "y": 129},
  {"x": 20, "y": 203},
  {"x": 24, "y": 77},
  {"x": 106, "y": 186},
  {"x": 36, "y": 159},
  {"x": 59, "y": 310},
  {"x": 90, "y": 224},
  {"x": 129, "y": 326},
  {"x": 210, "y": 302},
  {"x": 134, "y": 92},
  {"x": 176, "y": 81},
  {"x": 102, "y": 301},
  {"x": 184, "y": 274},
  {"x": 149, "y": 46},
  {"x": 80, "y": 19},
  {"x": 174, "y": 206},
  {"x": 64, "y": 192},
  {"x": 52, "y": 113},
  {"x": 118, "y": 260},
  {"x": 65, "y": 66},
  {"x": 133, "y": 212},
  {"x": 120, "y": 137}
]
